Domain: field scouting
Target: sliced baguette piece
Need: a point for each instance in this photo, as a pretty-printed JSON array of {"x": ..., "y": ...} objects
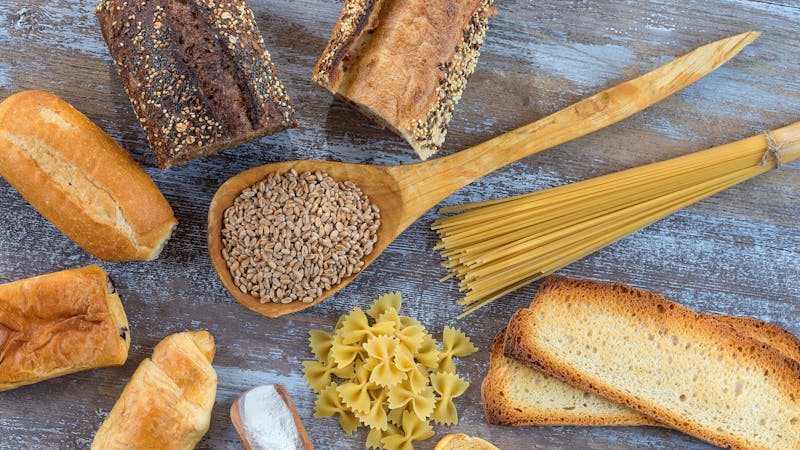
[
  {"x": 514, "y": 394},
  {"x": 688, "y": 371},
  {"x": 461, "y": 441}
]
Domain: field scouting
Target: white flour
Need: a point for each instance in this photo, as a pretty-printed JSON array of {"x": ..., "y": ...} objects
[{"x": 268, "y": 421}]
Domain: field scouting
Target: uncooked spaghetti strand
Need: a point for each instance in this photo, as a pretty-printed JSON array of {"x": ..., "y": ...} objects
[
  {"x": 508, "y": 235},
  {"x": 603, "y": 237},
  {"x": 541, "y": 211},
  {"x": 753, "y": 144},
  {"x": 575, "y": 226}
]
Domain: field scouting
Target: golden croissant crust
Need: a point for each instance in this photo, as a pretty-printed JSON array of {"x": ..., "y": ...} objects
[{"x": 167, "y": 403}]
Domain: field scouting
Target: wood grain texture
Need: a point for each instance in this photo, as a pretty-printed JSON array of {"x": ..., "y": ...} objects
[{"x": 737, "y": 252}]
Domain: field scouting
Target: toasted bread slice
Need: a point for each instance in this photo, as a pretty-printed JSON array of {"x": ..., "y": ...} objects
[
  {"x": 689, "y": 371},
  {"x": 463, "y": 442},
  {"x": 514, "y": 394},
  {"x": 770, "y": 334}
]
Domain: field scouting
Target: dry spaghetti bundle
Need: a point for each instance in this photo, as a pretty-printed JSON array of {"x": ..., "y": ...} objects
[{"x": 497, "y": 246}]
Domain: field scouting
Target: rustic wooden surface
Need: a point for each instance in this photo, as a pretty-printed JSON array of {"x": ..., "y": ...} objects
[{"x": 737, "y": 253}]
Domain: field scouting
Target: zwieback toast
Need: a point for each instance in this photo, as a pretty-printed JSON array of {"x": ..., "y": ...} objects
[
  {"x": 686, "y": 370},
  {"x": 514, "y": 394}
]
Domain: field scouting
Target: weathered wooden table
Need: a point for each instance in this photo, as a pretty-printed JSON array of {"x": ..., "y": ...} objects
[{"x": 736, "y": 253}]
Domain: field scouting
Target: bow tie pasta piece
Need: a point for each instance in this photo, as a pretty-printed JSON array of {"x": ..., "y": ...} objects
[
  {"x": 344, "y": 354},
  {"x": 421, "y": 403},
  {"x": 375, "y": 435},
  {"x": 381, "y": 351},
  {"x": 356, "y": 328},
  {"x": 455, "y": 343},
  {"x": 411, "y": 337},
  {"x": 392, "y": 300},
  {"x": 355, "y": 393},
  {"x": 376, "y": 417},
  {"x": 391, "y": 315},
  {"x": 429, "y": 354},
  {"x": 404, "y": 358},
  {"x": 418, "y": 378},
  {"x": 448, "y": 386},
  {"x": 318, "y": 374},
  {"x": 329, "y": 404},
  {"x": 320, "y": 343},
  {"x": 413, "y": 429}
]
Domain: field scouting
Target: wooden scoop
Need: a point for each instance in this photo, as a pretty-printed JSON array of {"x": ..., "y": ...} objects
[
  {"x": 404, "y": 193},
  {"x": 238, "y": 423}
]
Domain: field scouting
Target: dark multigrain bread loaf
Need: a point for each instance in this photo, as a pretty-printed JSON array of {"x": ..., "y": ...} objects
[
  {"x": 197, "y": 74},
  {"x": 405, "y": 63}
]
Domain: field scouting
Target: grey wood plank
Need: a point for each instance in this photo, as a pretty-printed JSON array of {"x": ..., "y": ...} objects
[{"x": 737, "y": 252}]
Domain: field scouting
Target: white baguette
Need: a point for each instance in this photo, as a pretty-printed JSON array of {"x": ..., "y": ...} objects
[
  {"x": 79, "y": 179},
  {"x": 688, "y": 371}
]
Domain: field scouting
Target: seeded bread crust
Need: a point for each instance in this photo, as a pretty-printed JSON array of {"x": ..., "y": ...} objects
[
  {"x": 568, "y": 318},
  {"x": 197, "y": 74},
  {"x": 401, "y": 71}
]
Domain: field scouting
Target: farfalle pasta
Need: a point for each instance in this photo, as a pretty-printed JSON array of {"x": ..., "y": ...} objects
[
  {"x": 385, "y": 371},
  {"x": 328, "y": 404},
  {"x": 448, "y": 386},
  {"x": 413, "y": 429},
  {"x": 455, "y": 343}
]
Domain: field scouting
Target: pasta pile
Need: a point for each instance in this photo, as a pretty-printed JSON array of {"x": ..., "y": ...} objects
[
  {"x": 498, "y": 246},
  {"x": 393, "y": 376}
]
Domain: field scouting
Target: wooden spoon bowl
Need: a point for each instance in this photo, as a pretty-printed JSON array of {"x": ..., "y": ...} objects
[
  {"x": 375, "y": 181},
  {"x": 404, "y": 193},
  {"x": 238, "y": 423}
]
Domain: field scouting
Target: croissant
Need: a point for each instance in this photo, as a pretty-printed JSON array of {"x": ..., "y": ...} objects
[
  {"x": 60, "y": 323},
  {"x": 167, "y": 402}
]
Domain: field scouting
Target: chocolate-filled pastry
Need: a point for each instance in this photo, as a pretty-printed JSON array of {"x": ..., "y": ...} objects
[{"x": 60, "y": 323}]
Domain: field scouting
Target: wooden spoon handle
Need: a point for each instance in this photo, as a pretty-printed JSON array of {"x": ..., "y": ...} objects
[{"x": 430, "y": 182}]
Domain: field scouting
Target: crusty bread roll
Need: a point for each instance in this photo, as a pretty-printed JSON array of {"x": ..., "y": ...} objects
[
  {"x": 77, "y": 177},
  {"x": 461, "y": 441},
  {"x": 167, "y": 403},
  {"x": 60, "y": 323},
  {"x": 405, "y": 63}
]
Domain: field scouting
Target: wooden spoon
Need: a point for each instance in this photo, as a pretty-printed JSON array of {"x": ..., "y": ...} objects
[
  {"x": 238, "y": 423},
  {"x": 404, "y": 193}
]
